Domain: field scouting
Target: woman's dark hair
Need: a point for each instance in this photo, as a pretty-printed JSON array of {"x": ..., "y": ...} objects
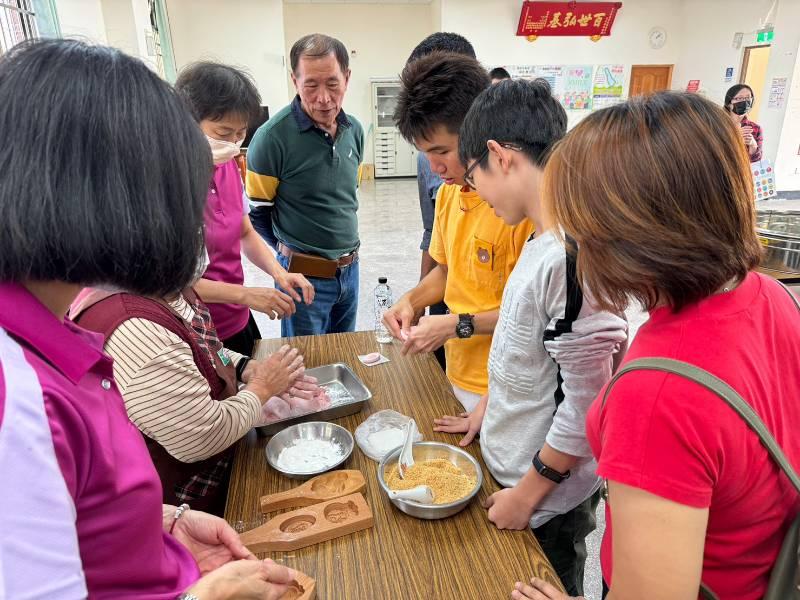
[
  {"x": 437, "y": 89},
  {"x": 213, "y": 90},
  {"x": 735, "y": 89},
  {"x": 499, "y": 73},
  {"x": 516, "y": 111},
  {"x": 319, "y": 45},
  {"x": 657, "y": 192},
  {"x": 103, "y": 172},
  {"x": 442, "y": 41}
]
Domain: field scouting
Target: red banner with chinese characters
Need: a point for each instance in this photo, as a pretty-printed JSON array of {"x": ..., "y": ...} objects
[{"x": 592, "y": 19}]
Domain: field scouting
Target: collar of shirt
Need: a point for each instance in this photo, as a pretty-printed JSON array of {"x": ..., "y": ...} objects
[
  {"x": 305, "y": 123},
  {"x": 66, "y": 346}
]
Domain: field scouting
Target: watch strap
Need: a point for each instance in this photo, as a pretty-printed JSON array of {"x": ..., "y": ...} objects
[{"x": 547, "y": 472}]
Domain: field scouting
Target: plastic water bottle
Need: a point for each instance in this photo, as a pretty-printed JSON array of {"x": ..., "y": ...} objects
[{"x": 383, "y": 300}]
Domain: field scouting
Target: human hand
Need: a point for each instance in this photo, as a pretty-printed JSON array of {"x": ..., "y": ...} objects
[
  {"x": 539, "y": 590},
  {"x": 469, "y": 423},
  {"x": 747, "y": 136},
  {"x": 275, "y": 374},
  {"x": 271, "y": 302},
  {"x": 245, "y": 580},
  {"x": 291, "y": 282},
  {"x": 430, "y": 334},
  {"x": 211, "y": 541},
  {"x": 399, "y": 318},
  {"x": 510, "y": 508}
]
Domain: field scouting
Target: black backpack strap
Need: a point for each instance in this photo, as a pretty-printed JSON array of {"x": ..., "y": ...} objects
[{"x": 721, "y": 389}]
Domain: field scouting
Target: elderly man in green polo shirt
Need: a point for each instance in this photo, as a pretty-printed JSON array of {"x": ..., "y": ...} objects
[{"x": 302, "y": 176}]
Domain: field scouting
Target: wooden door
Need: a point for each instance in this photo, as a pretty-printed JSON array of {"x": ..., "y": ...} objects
[
  {"x": 754, "y": 74},
  {"x": 646, "y": 79}
]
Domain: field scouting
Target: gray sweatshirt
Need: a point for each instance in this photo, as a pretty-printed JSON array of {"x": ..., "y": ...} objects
[{"x": 551, "y": 354}]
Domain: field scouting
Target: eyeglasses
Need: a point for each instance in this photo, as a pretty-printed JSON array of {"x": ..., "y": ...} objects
[{"x": 471, "y": 169}]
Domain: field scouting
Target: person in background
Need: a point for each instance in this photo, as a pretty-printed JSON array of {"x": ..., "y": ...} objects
[
  {"x": 692, "y": 494},
  {"x": 552, "y": 348},
  {"x": 81, "y": 513},
  {"x": 429, "y": 182},
  {"x": 738, "y": 102},
  {"x": 474, "y": 249},
  {"x": 498, "y": 74},
  {"x": 302, "y": 180},
  {"x": 224, "y": 100}
]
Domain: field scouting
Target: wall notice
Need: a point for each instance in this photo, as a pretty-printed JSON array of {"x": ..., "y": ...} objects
[
  {"x": 571, "y": 85},
  {"x": 609, "y": 85},
  {"x": 777, "y": 92},
  {"x": 728, "y": 74}
]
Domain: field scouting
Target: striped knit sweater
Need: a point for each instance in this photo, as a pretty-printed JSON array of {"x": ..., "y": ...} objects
[{"x": 168, "y": 398}]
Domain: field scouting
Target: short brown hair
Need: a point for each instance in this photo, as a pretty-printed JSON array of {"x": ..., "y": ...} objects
[
  {"x": 657, "y": 192},
  {"x": 437, "y": 89},
  {"x": 319, "y": 45}
]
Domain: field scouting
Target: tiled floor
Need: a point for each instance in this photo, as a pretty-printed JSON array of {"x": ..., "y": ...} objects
[{"x": 391, "y": 230}]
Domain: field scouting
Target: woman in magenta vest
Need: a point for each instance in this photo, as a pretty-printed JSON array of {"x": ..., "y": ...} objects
[
  {"x": 225, "y": 101},
  {"x": 121, "y": 180}
]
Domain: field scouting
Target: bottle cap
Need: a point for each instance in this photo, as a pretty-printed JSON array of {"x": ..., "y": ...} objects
[{"x": 382, "y": 280}]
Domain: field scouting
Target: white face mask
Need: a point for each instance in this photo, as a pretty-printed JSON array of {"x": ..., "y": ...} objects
[{"x": 223, "y": 151}]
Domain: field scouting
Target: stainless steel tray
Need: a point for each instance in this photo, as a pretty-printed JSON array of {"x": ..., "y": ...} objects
[{"x": 337, "y": 375}]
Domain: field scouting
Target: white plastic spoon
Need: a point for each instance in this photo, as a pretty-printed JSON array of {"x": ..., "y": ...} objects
[
  {"x": 406, "y": 460},
  {"x": 422, "y": 494}
]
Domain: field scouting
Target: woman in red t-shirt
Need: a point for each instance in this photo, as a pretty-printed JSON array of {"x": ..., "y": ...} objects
[{"x": 657, "y": 193}]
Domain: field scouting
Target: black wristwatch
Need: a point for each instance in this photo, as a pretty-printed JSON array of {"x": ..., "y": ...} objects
[
  {"x": 546, "y": 471},
  {"x": 466, "y": 326}
]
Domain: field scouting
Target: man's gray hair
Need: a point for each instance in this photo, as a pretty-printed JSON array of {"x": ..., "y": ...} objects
[{"x": 318, "y": 45}]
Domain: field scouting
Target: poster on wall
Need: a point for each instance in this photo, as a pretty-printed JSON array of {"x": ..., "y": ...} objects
[
  {"x": 553, "y": 74},
  {"x": 577, "y": 93},
  {"x": 777, "y": 92},
  {"x": 609, "y": 85},
  {"x": 571, "y": 85}
]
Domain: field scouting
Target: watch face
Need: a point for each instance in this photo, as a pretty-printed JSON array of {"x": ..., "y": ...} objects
[{"x": 464, "y": 329}]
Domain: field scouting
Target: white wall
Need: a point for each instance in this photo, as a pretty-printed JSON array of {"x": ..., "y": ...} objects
[
  {"x": 492, "y": 28},
  {"x": 244, "y": 33},
  {"x": 699, "y": 43},
  {"x": 379, "y": 37},
  {"x": 127, "y": 24},
  {"x": 82, "y": 19},
  {"x": 123, "y": 24},
  {"x": 782, "y": 125},
  {"x": 708, "y": 51}
]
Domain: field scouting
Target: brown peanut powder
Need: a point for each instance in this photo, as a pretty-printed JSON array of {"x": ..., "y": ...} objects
[{"x": 448, "y": 482}]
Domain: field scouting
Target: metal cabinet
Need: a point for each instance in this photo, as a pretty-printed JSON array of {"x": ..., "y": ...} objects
[{"x": 394, "y": 156}]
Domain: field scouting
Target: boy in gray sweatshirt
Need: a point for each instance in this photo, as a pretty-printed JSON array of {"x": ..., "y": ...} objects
[{"x": 552, "y": 350}]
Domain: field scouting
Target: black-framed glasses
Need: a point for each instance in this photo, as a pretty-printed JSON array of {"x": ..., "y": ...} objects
[{"x": 471, "y": 169}]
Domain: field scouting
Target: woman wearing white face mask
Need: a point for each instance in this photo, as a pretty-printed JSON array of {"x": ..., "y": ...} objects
[
  {"x": 224, "y": 101},
  {"x": 738, "y": 102}
]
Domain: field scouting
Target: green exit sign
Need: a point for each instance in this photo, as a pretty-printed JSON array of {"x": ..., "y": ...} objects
[{"x": 765, "y": 36}]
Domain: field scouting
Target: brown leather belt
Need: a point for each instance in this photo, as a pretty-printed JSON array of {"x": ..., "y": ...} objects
[{"x": 342, "y": 261}]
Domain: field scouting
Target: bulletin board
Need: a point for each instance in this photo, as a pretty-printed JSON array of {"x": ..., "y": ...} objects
[{"x": 578, "y": 87}]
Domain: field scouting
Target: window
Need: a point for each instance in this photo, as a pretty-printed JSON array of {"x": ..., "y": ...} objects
[
  {"x": 17, "y": 23},
  {"x": 22, "y": 20},
  {"x": 159, "y": 44}
]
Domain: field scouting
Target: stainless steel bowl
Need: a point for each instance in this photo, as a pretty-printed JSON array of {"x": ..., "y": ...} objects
[
  {"x": 314, "y": 430},
  {"x": 430, "y": 451}
]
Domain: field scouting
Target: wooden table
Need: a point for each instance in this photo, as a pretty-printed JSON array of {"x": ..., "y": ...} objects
[{"x": 463, "y": 556}]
